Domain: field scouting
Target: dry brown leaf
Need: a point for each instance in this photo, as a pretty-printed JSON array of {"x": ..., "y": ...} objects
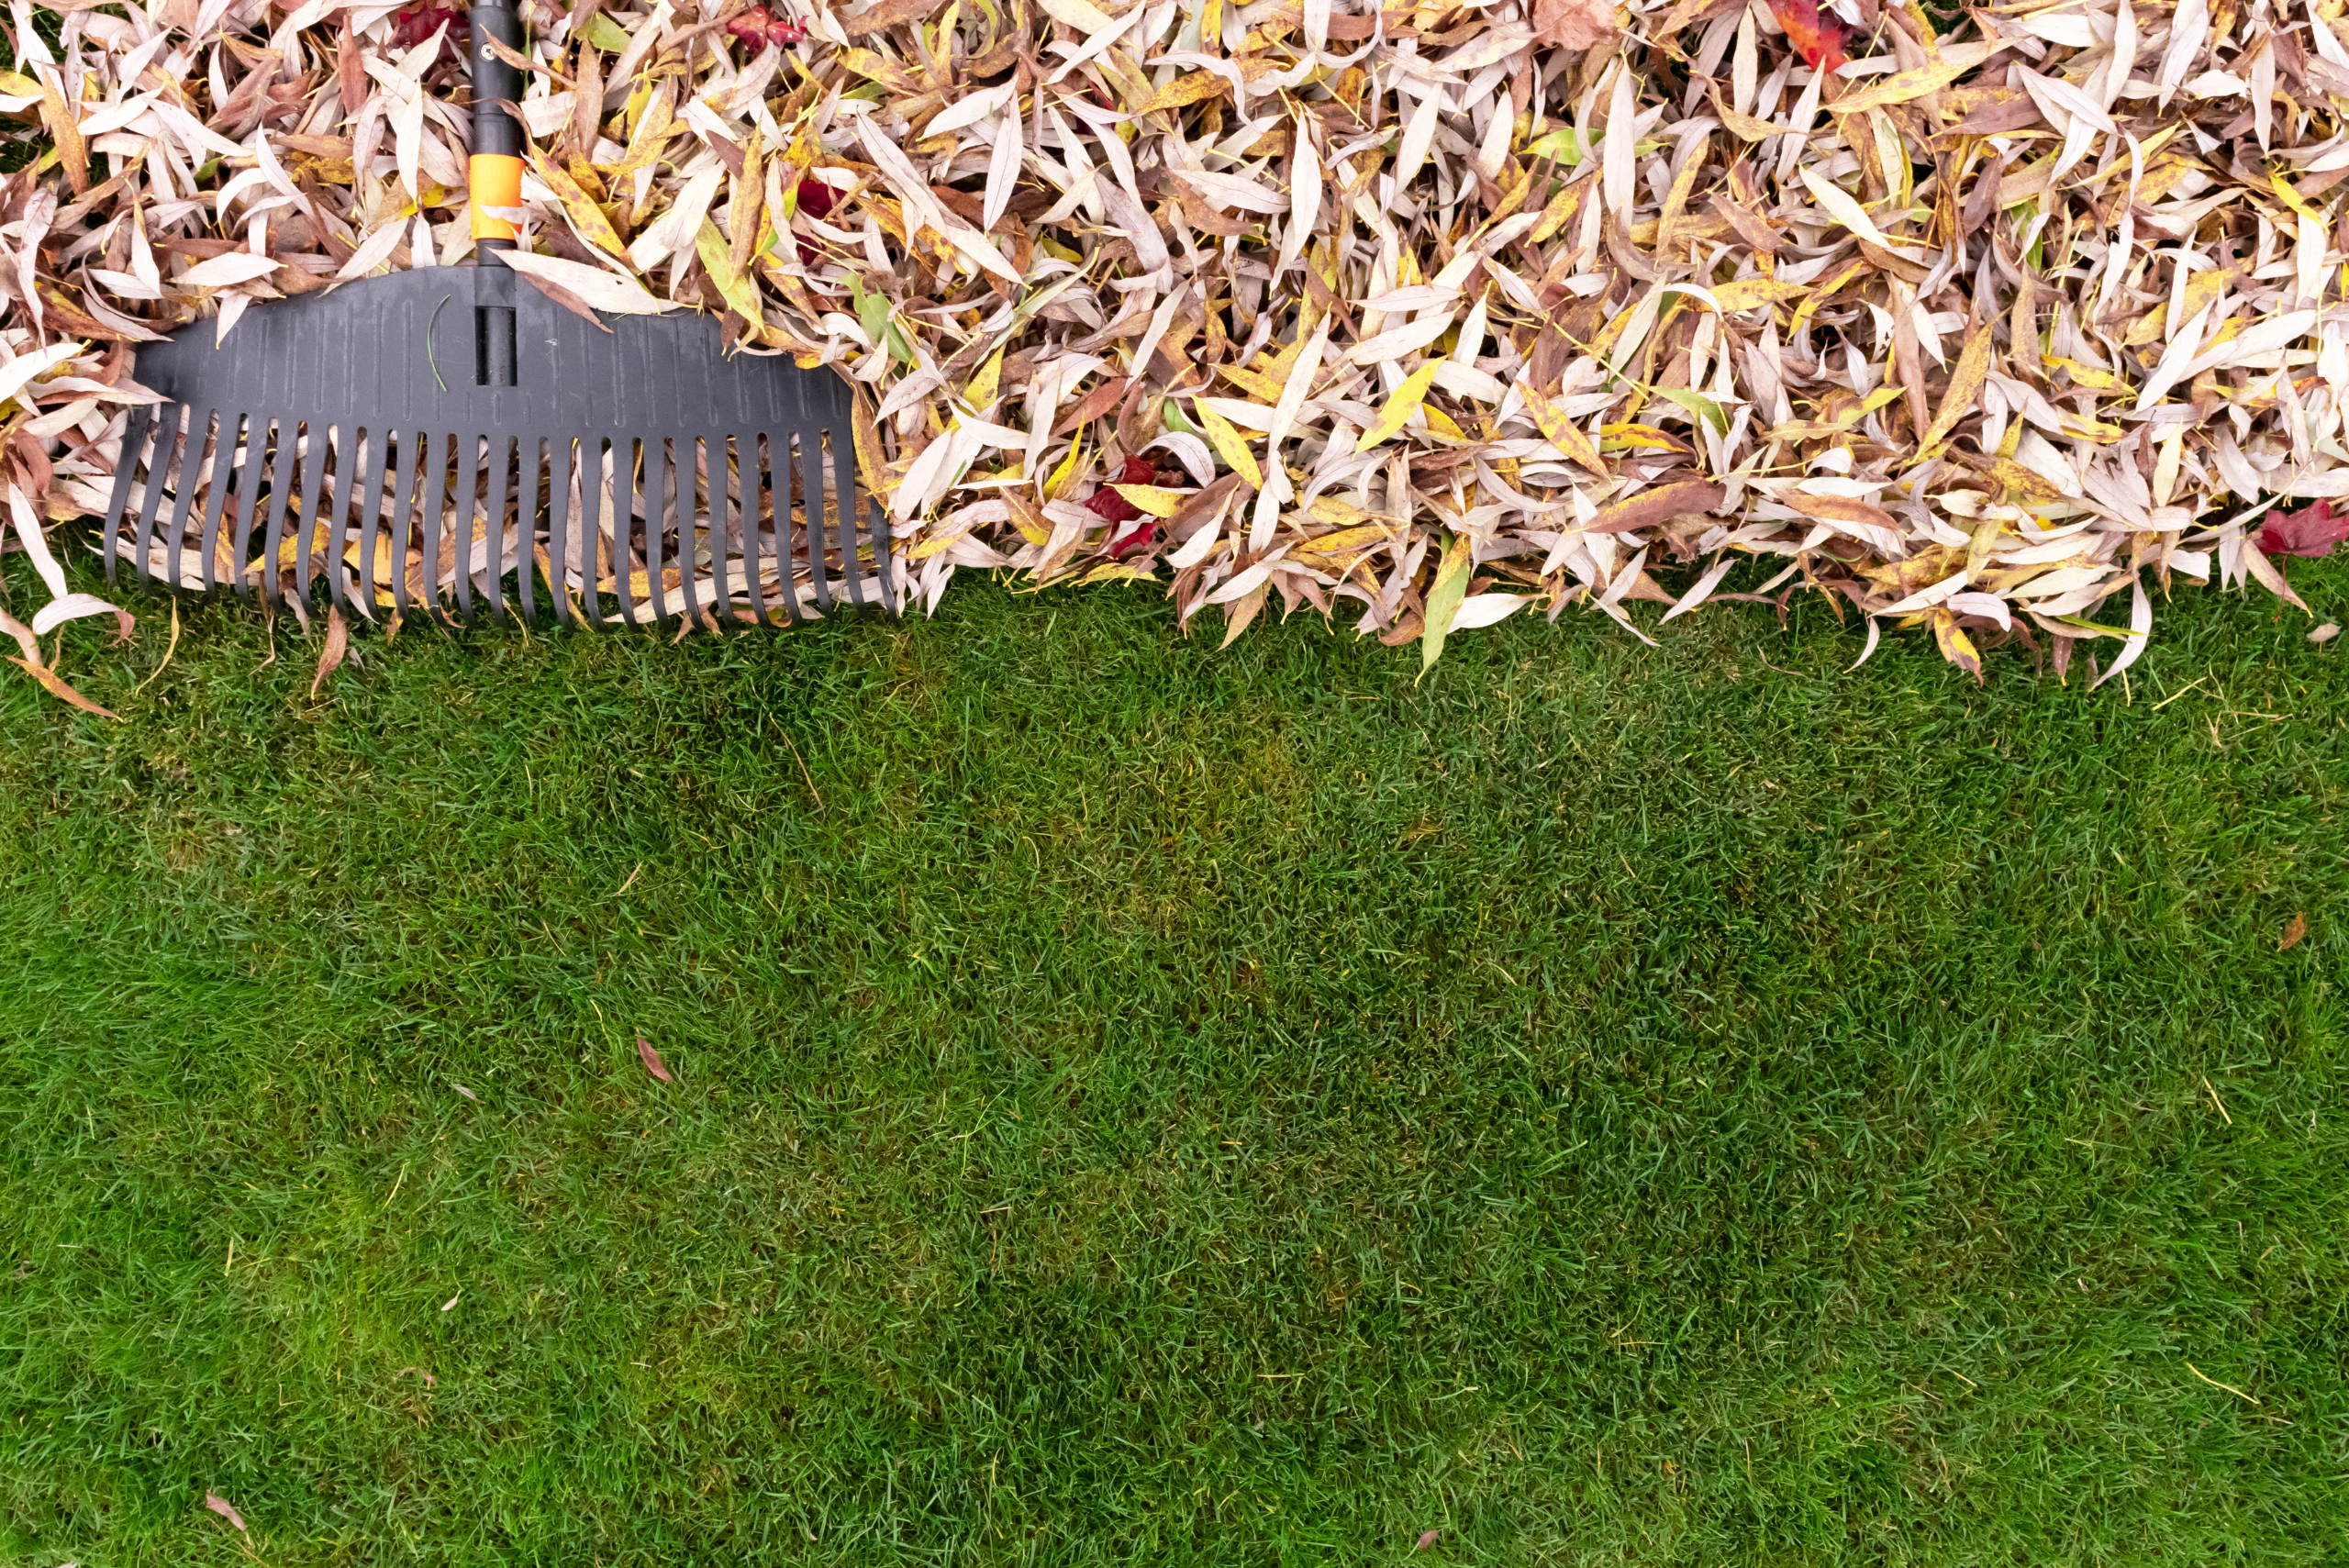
[
  {"x": 57, "y": 687},
  {"x": 651, "y": 1059},
  {"x": 1649, "y": 507},
  {"x": 1574, "y": 23},
  {"x": 330, "y": 656}
]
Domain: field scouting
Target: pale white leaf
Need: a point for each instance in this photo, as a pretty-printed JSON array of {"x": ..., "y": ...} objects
[
  {"x": 597, "y": 288},
  {"x": 243, "y": 266}
]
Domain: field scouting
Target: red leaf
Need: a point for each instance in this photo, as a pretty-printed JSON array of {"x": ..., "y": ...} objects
[
  {"x": 758, "y": 27},
  {"x": 1108, "y": 505},
  {"x": 1819, "y": 40},
  {"x": 815, "y": 199},
  {"x": 1427, "y": 1541},
  {"x": 651, "y": 1059},
  {"x": 751, "y": 26},
  {"x": 421, "y": 21},
  {"x": 2311, "y": 531},
  {"x": 220, "y": 1506}
]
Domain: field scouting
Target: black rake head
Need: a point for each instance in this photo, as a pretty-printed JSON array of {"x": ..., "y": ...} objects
[{"x": 361, "y": 436}]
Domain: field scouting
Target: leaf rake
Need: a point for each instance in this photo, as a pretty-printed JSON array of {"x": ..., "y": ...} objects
[{"x": 441, "y": 442}]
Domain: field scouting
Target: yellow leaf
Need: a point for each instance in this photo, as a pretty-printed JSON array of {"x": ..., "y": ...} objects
[
  {"x": 1744, "y": 124},
  {"x": 1561, "y": 431},
  {"x": 650, "y": 123},
  {"x": 59, "y": 687},
  {"x": 1330, "y": 509},
  {"x": 1560, "y": 211},
  {"x": 1601, "y": 345},
  {"x": 981, "y": 392},
  {"x": 2082, "y": 428},
  {"x": 1441, "y": 423},
  {"x": 1909, "y": 84},
  {"x": 1065, "y": 474},
  {"x": 1230, "y": 444},
  {"x": 2292, "y": 198},
  {"x": 1028, "y": 520},
  {"x": 585, "y": 215},
  {"x": 1744, "y": 293},
  {"x": 1820, "y": 294},
  {"x": 1629, "y": 435},
  {"x": 2087, "y": 375},
  {"x": 1184, "y": 91},
  {"x": 741, "y": 293},
  {"x": 1266, "y": 388},
  {"x": 869, "y": 459},
  {"x": 2023, "y": 483},
  {"x": 874, "y": 67},
  {"x": 1345, "y": 541},
  {"x": 1399, "y": 407},
  {"x": 1155, "y": 499},
  {"x": 1957, "y": 647},
  {"x": 1965, "y": 383}
]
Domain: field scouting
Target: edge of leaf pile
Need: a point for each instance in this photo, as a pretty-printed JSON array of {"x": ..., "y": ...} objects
[{"x": 1994, "y": 322}]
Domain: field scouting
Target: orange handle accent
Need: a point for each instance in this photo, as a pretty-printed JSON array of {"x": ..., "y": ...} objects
[{"x": 495, "y": 180}]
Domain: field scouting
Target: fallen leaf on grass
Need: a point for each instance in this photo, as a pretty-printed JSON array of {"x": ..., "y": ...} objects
[
  {"x": 467, "y": 1093},
  {"x": 2325, "y": 633},
  {"x": 2312, "y": 531},
  {"x": 2294, "y": 930},
  {"x": 330, "y": 656},
  {"x": 651, "y": 1059},
  {"x": 227, "y": 1511},
  {"x": 57, "y": 687},
  {"x": 1428, "y": 1540}
]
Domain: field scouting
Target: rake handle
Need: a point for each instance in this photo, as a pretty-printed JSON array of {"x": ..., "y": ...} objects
[
  {"x": 494, "y": 177},
  {"x": 494, "y": 171}
]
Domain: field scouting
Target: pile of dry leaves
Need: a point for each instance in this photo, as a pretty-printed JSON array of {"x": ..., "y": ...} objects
[{"x": 1995, "y": 322}]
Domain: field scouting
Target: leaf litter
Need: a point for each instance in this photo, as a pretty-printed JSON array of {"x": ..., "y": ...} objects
[{"x": 1993, "y": 323}]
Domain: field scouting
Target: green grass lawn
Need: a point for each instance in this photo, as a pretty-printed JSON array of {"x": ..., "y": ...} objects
[{"x": 1142, "y": 1104}]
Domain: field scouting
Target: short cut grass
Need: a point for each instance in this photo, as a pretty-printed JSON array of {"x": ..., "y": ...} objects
[{"x": 1142, "y": 1104}]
